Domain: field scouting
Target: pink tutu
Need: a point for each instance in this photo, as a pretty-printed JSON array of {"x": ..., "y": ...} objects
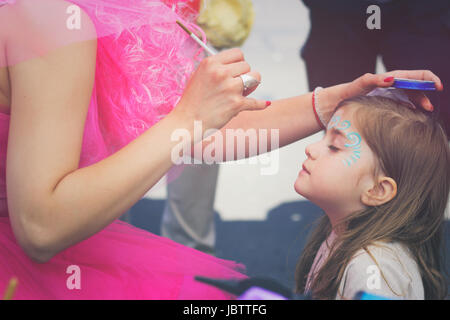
[
  {"x": 120, "y": 262},
  {"x": 143, "y": 63}
]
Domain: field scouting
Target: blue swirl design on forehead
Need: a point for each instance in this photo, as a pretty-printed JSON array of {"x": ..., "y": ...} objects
[
  {"x": 344, "y": 125},
  {"x": 334, "y": 121},
  {"x": 354, "y": 137}
]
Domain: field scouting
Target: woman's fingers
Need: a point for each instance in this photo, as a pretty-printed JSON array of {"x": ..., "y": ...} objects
[
  {"x": 363, "y": 85},
  {"x": 371, "y": 81},
  {"x": 368, "y": 82},
  {"x": 419, "y": 99},
  {"x": 251, "y": 104},
  {"x": 240, "y": 83},
  {"x": 238, "y": 68},
  {"x": 215, "y": 92},
  {"x": 426, "y": 75},
  {"x": 230, "y": 56}
]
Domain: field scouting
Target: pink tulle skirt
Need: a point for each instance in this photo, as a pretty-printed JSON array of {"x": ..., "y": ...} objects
[
  {"x": 120, "y": 262},
  {"x": 143, "y": 63}
]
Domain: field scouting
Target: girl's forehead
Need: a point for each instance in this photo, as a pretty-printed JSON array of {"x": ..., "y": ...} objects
[
  {"x": 345, "y": 112},
  {"x": 341, "y": 120},
  {"x": 343, "y": 125}
]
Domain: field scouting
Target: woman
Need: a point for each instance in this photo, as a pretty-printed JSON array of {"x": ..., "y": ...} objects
[{"x": 86, "y": 123}]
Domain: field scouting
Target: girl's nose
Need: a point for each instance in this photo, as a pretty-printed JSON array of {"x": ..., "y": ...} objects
[{"x": 310, "y": 151}]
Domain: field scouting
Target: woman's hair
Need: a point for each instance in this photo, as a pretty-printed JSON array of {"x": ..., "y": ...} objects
[{"x": 412, "y": 149}]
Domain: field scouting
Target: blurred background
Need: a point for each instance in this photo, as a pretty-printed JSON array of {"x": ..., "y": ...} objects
[{"x": 260, "y": 220}]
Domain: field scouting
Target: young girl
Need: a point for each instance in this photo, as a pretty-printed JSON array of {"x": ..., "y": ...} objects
[{"x": 381, "y": 174}]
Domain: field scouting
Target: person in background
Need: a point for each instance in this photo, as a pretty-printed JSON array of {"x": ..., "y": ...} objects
[
  {"x": 188, "y": 216},
  {"x": 413, "y": 34}
]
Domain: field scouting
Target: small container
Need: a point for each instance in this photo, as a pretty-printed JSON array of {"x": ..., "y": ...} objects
[{"x": 413, "y": 84}]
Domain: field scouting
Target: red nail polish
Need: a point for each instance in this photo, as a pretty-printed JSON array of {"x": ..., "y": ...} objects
[
  {"x": 388, "y": 79},
  {"x": 268, "y": 103}
]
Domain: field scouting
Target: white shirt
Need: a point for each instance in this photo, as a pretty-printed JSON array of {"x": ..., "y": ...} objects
[{"x": 391, "y": 273}]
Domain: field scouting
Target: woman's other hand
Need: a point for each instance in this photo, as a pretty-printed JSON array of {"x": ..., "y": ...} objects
[
  {"x": 330, "y": 97},
  {"x": 368, "y": 82}
]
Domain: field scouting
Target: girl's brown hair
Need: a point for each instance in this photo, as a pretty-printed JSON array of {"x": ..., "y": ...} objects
[{"x": 412, "y": 149}]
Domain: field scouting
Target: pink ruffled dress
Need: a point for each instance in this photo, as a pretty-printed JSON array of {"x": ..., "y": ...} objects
[{"x": 121, "y": 261}]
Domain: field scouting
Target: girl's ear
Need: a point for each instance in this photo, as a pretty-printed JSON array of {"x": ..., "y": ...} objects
[{"x": 384, "y": 190}]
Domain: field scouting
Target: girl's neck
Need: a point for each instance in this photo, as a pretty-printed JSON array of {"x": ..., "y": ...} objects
[{"x": 336, "y": 221}]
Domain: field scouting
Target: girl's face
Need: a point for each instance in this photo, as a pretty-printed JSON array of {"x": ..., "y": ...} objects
[{"x": 338, "y": 168}]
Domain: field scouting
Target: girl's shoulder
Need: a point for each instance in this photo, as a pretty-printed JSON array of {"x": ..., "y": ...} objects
[
  {"x": 385, "y": 269},
  {"x": 391, "y": 251}
]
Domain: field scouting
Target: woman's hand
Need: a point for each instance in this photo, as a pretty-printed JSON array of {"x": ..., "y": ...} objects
[
  {"x": 330, "y": 97},
  {"x": 368, "y": 82},
  {"x": 214, "y": 93}
]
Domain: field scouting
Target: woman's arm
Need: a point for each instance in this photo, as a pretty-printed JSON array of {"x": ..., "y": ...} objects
[
  {"x": 294, "y": 117},
  {"x": 52, "y": 203}
]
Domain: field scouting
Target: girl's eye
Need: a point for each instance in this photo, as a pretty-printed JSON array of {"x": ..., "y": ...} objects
[{"x": 333, "y": 148}]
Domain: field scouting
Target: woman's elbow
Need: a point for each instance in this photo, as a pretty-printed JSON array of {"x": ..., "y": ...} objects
[
  {"x": 38, "y": 253},
  {"x": 36, "y": 241}
]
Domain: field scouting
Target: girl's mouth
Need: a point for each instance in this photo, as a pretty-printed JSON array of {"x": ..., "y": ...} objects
[{"x": 305, "y": 170}]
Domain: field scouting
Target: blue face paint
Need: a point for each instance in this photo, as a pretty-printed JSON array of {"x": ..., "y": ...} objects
[
  {"x": 344, "y": 125},
  {"x": 333, "y": 122},
  {"x": 354, "y": 137}
]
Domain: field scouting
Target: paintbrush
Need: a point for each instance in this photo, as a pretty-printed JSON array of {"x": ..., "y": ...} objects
[
  {"x": 9, "y": 293},
  {"x": 248, "y": 86},
  {"x": 200, "y": 42}
]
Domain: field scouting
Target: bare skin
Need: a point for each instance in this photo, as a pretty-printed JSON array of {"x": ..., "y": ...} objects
[{"x": 53, "y": 204}]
